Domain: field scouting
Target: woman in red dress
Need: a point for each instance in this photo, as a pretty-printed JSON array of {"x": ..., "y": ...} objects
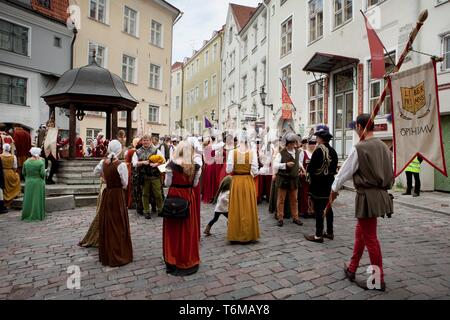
[
  {"x": 304, "y": 206},
  {"x": 181, "y": 237},
  {"x": 208, "y": 178},
  {"x": 128, "y": 161}
]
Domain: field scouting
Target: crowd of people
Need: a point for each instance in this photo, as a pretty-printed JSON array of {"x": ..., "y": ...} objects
[{"x": 234, "y": 172}]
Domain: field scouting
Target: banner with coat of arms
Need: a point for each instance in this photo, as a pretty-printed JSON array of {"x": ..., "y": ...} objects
[
  {"x": 416, "y": 118},
  {"x": 287, "y": 105}
]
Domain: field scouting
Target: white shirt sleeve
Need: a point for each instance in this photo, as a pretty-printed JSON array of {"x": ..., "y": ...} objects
[
  {"x": 218, "y": 146},
  {"x": 15, "y": 163},
  {"x": 134, "y": 160},
  {"x": 348, "y": 169},
  {"x": 159, "y": 153},
  {"x": 98, "y": 171},
  {"x": 197, "y": 177},
  {"x": 302, "y": 158},
  {"x": 230, "y": 161},
  {"x": 255, "y": 166},
  {"x": 168, "y": 179},
  {"x": 123, "y": 173},
  {"x": 277, "y": 165}
]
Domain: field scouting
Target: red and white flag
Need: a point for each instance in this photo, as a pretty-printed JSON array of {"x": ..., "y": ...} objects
[
  {"x": 376, "y": 52},
  {"x": 287, "y": 105},
  {"x": 416, "y": 118}
]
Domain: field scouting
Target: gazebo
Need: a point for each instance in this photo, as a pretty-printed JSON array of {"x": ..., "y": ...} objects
[{"x": 91, "y": 88}]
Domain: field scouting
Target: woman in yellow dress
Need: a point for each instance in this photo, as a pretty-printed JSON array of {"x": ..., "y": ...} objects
[
  {"x": 11, "y": 177},
  {"x": 242, "y": 163}
]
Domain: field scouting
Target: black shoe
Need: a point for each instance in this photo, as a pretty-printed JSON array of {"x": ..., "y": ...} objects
[
  {"x": 406, "y": 193},
  {"x": 328, "y": 236},
  {"x": 49, "y": 182},
  {"x": 415, "y": 195},
  {"x": 313, "y": 239},
  {"x": 280, "y": 223},
  {"x": 297, "y": 222},
  {"x": 148, "y": 216},
  {"x": 140, "y": 212},
  {"x": 363, "y": 285},
  {"x": 348, "y": 274}
]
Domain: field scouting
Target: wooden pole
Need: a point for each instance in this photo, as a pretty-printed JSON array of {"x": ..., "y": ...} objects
[
  {"x": 108, "y": 125},
  {"x": 114, "y": 122},
  {"x": 412, "y": 37},
  {"x": 129, "y": 128},
  {"x": 72, "y": 131}
]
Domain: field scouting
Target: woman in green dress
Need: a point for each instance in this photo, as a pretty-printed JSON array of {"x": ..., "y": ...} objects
[{"x": 34, "y": 197}]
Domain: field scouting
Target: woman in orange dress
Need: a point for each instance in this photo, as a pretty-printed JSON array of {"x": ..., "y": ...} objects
[{"x": 11, "y": 178}]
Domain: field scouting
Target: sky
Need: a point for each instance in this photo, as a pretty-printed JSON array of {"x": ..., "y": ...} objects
[{"x": 201, "y": 18}]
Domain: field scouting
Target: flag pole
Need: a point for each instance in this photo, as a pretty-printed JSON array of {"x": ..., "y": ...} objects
[{"x": 412, "y": 37}]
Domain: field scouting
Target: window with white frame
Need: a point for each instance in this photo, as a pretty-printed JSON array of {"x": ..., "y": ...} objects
[
  {"x": 13, "y": 90},
  {"x": 255, "y": 34},
  {"x": 282, "y": 2},
  {"x": 244, "y": 86},
  {"x": 233, "y": 60},
  {"x": 13, "y": 37},
  {"x": 177, "y": 102},
  {"x": 214, "y": 52},
  {"x": 446, "y": 52},
  {"x": 286, "y": 37},
  {"x": 264, "y": 24},
  {"x": 91, "y": 134},
  {"x": 130, "y": 21},
  {"x": 206, "y": 58},
  {"x": 264, "y": 71},
  {"x": 197, "y": 94},
  {"x": 371, "y": 3},
  {"x": 376, "y": 87},
  {"x": 188, "y": 98},
  {"x": 230, "y": 35},
  {"x": 97, "y": 10},
  {"x": 315, "y": 8},
  {"x": 153, "y": 114},
  {"x": 100, "y": 54},
  {"x": 155, "y": 77},
  {"x": 197, "y": 65},
  {"x": 214, "y": 85},
  {"x": 123, "y": 115},
  {"x": 128, "y": 68},
  {"x": 255, "y": 79},
  {"x": 286, "y": 76},
  {"x": 245, "y": 44},
  {"x": 343, "y": 12},
  {"x": 206, "y": 89},
  {"x": 156, "y": 34},
  {"x": 315, "y": 97}
]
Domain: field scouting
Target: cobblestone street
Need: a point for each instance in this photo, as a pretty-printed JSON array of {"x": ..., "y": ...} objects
[{"x": 282, "y": 265}]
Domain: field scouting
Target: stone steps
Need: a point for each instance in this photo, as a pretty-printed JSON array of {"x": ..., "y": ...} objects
[{"x": 52, "y": 204}]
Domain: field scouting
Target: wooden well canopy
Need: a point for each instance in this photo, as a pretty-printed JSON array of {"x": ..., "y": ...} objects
[{"x": 92, "y": 88}]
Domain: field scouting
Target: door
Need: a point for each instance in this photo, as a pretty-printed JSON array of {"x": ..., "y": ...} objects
[
  {"x": 343, "y": 113},
  {"x": 442, "y": 183}
]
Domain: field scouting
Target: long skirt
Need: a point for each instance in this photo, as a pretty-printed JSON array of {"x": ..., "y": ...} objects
[
  {"x": 243, "y": 225},
  {"x": 304, "y": 203},
  {"x": 181, "y": 238},
  {"x": 264, "y": 188},
  {"x": 115, "y": 248},
  {"x": 208, "y": 183},
  {"x": 12, "y": 185},
  {"x": 91, "y": 237}
]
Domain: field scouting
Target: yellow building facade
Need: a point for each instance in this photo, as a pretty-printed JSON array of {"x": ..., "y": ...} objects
[
  {"x": 133, "y": 39},
  {"x": 201, "y": 86}
]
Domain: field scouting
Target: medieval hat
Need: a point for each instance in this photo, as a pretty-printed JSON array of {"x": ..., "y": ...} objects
[{"x": 323, "y": 131}]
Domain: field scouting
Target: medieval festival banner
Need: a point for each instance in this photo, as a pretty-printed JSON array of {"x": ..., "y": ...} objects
[
  {"x": 416, "y": 118},
  {"x": 287, "y": 104}
]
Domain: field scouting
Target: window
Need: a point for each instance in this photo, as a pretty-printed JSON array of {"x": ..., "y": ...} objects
[
  {"x": 44, "y": 3},
  {"x": 97, "y": 10},
  {"x": 286, "y": 37},
  {"x": 282, "y": 2},
  {"x": 255, "y": 34},
  {"x": 214, "y": 85},
  {"x": 315, "y": 19},
  {"x": 255, "y": 79},
  {"x": 244, "y": 86},
  {"x": 57, "y": 42},
  {"x": 264, "y": 71},
  {"x": 156, "y": 34},
  {"x": 128, "y": 68},
  {"x": 177, "y": 102},
  {"x": 100, "y": 54},
  {"x": 13, "y": 38},
  {"x": 155, "y": 77},
  {"x": 188, "y": 98},
  {"x": 446, "y": 52},
  {"x": 230, "y": 35},
  {"x": 233, "y": 60},
  {"x": 286, "y": 77},
  {"x": 206, "y": 89},
  {"x": 376, "y": 87},
  {"x": 315, "y": 94},
  {"x": 130, "y": 21},
  {"x": 153, "y": 114},
  {"x": 178, "y": 78},
  {"x": 371, "y": 3},
  {"x": 13, "y": 90},
  {"x": 245, "y": 46},
  {"x": 206, "y": 58},
  {"x": 123, "y": 115},
  {"x": 197, "y": 64},
  {"x": 214, "y": 53},
  {"x": 264, "y": 24},
  {"x": 91, "y": 134},
  {"x": 343, "y": 12}
]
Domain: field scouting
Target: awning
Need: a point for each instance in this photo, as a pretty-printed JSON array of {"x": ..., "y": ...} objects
[{"x": 325, "y": 63}]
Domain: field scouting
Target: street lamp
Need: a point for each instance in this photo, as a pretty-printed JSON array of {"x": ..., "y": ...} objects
[{"x": 263, "y": 96}]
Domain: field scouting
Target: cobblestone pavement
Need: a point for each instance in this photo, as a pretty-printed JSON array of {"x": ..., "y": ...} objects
[{"x": 34, "y": 258}]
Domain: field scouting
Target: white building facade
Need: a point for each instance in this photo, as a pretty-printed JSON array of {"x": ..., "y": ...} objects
[{"x": 176, "y": 96}]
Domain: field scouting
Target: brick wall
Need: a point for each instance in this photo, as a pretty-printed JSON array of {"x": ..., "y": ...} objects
[{"x": 58, "y": 9}]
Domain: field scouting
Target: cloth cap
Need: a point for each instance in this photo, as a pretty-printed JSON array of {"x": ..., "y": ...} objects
[
  {"x": 7, "y": 147},
  {"x": 35, "y": 152},
  {"x": 114, "y": 148}
]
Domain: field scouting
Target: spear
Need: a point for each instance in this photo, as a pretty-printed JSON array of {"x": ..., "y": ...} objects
[{"x": 409, "y": 46}]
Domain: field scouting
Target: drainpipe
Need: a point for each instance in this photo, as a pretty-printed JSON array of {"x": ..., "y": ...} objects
[
  {"x": 267, "y": 60},
  {"x": 75, "y": 32}
]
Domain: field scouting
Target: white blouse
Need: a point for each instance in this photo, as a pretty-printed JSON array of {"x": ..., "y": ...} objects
[
  {"x": 254, "y": 165},
  {"x": 121, "y": 169}
]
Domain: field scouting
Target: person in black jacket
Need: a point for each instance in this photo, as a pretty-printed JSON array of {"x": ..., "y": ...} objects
[
  {"x": 321, "y": 171},
  {"x": 2, "y": 185}
]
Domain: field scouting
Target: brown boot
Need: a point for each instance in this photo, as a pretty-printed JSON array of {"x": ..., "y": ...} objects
[{"x": 207, "y": 230}]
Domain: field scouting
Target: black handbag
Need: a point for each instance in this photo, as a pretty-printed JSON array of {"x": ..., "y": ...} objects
[{"x": 175, "y": 208}]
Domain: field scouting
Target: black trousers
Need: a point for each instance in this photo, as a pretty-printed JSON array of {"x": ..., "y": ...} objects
[
  {"x": 216, "y": 217},
  {"x": 409, "y": 177},
  {"x": 319, "y": 208},
  {"x": 53, "y": 168}
]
